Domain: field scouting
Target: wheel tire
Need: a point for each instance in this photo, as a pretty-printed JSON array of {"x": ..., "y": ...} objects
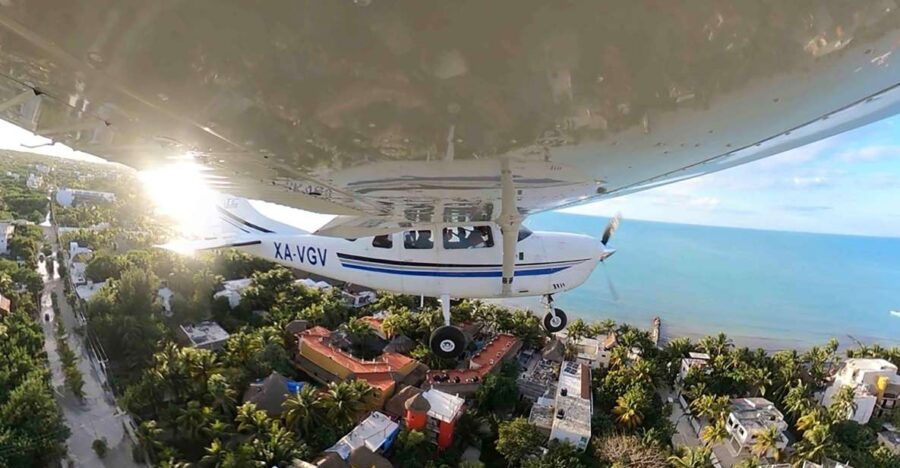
[
  {"x": 448, "y": 342},
  {"x": 555, "y": 321}
]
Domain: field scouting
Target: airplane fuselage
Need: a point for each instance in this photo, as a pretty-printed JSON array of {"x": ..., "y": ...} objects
[{"x": 546, "y": 262}]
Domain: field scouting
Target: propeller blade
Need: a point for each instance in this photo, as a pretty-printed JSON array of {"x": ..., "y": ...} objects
[
  {"x": 609, "y": 284},
  {"x": 611, "y": 228}
]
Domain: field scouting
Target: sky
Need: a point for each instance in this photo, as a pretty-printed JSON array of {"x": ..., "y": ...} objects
[{"x": 846, "y": 184}]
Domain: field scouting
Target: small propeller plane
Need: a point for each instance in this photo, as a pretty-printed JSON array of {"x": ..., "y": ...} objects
[
  {"x": 420, "y": 136},
  {"x": 444, "y": 261}
]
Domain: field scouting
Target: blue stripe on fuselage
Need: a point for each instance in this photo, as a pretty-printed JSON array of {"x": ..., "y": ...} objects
[{"x": 455, "y": 274}]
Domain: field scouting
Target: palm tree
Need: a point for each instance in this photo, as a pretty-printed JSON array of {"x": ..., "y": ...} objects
[
  {"x": 766, "y": 441},
  {"x": 602, "y": 327},
  {"x": 752, "y": 462},
  {"x": 629, "y": 408},
  {"x": 716, "y": 345},
  {"x": 679, "y": 347},
  {"x": 576, "y": 330},
  {"x": 218, "y": 429},
  {"x": 216, "y": 453},
  {"x": 192, "y": 419},
  {"x": 815, "y": 444},
  {"x": 357, "y": 331},
  {"x": 710, "y": 406},
  {"x": 690, "y": 457},
  {"x": 797, "y": 401},
  {"x": 713, "y": 434},
  {"x": 223, "y": 395},
  {"x": 251, "y": 420},
  {"x": 148, "y": 435},
  {"x": 843, "y": 404},
  {"x": 343, "y": 403},
  {"x": 811, "y": 419},
  {"x": 303, "y": 409}
]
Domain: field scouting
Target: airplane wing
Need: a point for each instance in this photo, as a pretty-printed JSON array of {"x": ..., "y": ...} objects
[{"x": 390, "y": 114}]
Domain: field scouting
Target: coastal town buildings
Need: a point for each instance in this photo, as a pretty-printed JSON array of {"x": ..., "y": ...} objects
[
  {"x": 594, "y": 352},
  {"x": 6, "y": 231},
  {"x": 876, "y": 387},
  {"x": 319, "y": 357},
  {"x": 34, "y": 181},
  {"x": 538, "y": 379},
  {"x": 749, "y": 416},
  {"x": 376, "y": 433},
  {"x": 889, "y": 437},
  {"x": 68, "y": 198},
  {"x": 695, "y": 362},
  {"x": 567, "y": 416},
  {"x": 464, "y": 382},
  {"x": 204, "y": 335},
  {"x": 233, "y": 290},
  {"x": 432, "y": 411}
]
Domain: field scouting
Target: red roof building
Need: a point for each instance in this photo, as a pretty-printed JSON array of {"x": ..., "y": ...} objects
[
  {"x": 466, "y": 381},
  {"x": 327, "y": 363}
]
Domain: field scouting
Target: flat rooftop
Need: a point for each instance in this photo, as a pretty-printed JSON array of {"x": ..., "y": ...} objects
[
  {"x": 573, "y": 398},
  {"x": 755, "y": 413},
  {"x": 372, "y": 432},
  {"x": 204, "y": 332}
]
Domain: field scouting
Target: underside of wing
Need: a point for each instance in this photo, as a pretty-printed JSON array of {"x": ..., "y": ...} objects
[{"x": 391, "y": 114}]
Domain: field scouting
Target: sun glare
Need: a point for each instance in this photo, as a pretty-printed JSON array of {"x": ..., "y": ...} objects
[{"x": 181, "y": 193}]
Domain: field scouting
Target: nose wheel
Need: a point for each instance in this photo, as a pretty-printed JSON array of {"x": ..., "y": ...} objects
[{"x": 448, "y": 342}]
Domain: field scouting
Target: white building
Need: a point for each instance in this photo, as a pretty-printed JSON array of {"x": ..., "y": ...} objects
[
  {"x": 750, "y": 416},
  {"x": 594, "y": 352},
  {"x": 890, "y": 438},
  {"x": 233, "y": 291},
  {"x": 6, "y": 231},
  {"x": 34, "y": 181},
  {"x": 694, "y": 361},
  {"x": 87, "y": 291},
  {"x": 573, "y": 406},
  {"x": 875, "y": 383},
  {"x": 204, "y": 335},
  {"x": 165, "y": 297},
  {"x": 69, "y": 197},
  {"x": 377, "y": 432}
]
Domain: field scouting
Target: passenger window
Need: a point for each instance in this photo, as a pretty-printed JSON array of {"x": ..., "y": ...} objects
[
  {"x": 383, "y": 242},
  {"x": 418, "y": 240},
  {"x": 468, "y": 237}
]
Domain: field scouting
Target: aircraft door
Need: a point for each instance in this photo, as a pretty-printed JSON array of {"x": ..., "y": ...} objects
[
  {"x": 418, "y": 247},
  {"x": 530, "y": 254}
]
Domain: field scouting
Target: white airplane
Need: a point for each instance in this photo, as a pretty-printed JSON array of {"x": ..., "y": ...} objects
[
  {"x": 442, "y": 260},
  {"x": 381, "y": 118}
]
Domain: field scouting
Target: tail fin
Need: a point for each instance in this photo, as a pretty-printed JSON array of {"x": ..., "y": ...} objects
[{"x": 239, "y": 217}]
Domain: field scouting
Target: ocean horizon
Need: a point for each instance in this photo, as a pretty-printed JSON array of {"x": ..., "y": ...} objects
[{"x": 768, "y": 289}]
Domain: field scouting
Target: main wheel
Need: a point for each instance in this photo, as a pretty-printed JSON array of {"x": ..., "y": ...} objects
[
  {"x": 448, "y": 342},
  {"x": 555, "y": 321}
]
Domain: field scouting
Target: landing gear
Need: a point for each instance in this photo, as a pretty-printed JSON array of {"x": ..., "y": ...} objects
[
  {"x": 447, "y": 341},
  {"x": 555, "y": 321}
]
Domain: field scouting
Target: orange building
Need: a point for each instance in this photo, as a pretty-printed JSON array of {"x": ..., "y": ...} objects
[{"x": 325, "y": 362}]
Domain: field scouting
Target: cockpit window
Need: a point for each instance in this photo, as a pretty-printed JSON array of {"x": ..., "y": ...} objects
[
  {"x": 418, "y": 240},
  {"x": 383, "y": 242},
  {"x": 524, "y": 232},
  {"x": 468, "y": 237}
]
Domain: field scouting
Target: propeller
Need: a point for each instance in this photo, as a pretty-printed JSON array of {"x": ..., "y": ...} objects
[
  {"x": 611, "y": 228},
  {"x": 607, "y": 234},
  {"x": 610, "y": 285}
]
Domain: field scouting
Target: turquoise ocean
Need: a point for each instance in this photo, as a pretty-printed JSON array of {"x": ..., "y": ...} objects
[{"x": 771, "y": 289}]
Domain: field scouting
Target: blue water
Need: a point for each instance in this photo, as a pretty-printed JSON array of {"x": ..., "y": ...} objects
[{"x": 765, "y": 288}]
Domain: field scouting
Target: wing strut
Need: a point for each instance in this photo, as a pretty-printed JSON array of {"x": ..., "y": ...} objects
[{"x": 509, "y": 222}]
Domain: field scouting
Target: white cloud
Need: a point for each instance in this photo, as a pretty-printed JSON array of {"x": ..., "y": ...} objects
[
  {"x": 816, "y": 181},
  {"x": 869, "y": 153}
]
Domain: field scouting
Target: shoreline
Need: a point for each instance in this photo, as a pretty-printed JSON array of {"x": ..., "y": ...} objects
[{"x": 670, "y": 330}]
